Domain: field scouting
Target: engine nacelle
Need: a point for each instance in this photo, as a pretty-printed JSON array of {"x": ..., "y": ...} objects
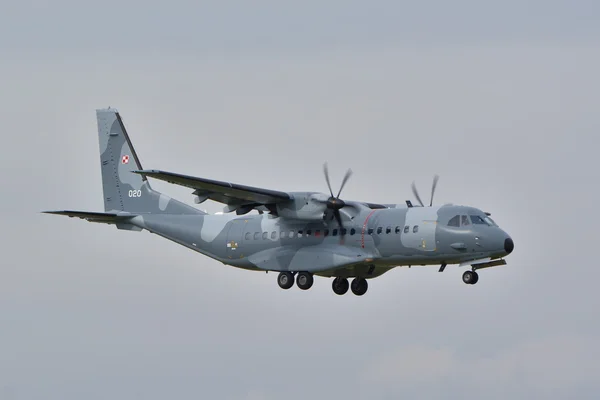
[{"x": 303, "y": 206}]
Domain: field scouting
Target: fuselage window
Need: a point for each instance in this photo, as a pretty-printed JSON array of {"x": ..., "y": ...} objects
[
  {"x": 308, "y": 232},
  {"x": 334, "y": 233},
  {"x": 370, "y": 231},
  {"x": 416, "y": 229},
  {"x": 406, "y": 229},
  {"x": 291, "y": 233},
  {"x": 388, "y": 229},
  {"x": 379, "y": 230},
  {"x": 247, "y": 236},
  {"x": 455, "y": 221},
  {"x": 352, "y": 231},
  {"x": 465, "y": 221},
  {"x": 326, "y": 232},
  {"x": 281, "y": 234},
  {"x": 273, "y": 235},
  {"x": 299, "y": 233},
  {"x": 344, "y": 231},
  {"x": 265, "y": 235},
  {"x": 397, "y": 229},
  {"x": 256, "y": 234},
  {"x": 317, "y": 233}
]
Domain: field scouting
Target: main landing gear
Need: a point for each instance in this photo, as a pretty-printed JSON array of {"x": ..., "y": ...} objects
[
  {"x": 359, "y": 286},
  {"x": 304, "y": 280},
  {"x": 470, "y": 277},
  {"x": 285, "y": 280},
  {"x": 340, "y": 286}
]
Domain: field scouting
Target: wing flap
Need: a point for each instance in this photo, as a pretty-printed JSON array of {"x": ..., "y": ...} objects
[{"x": 222, "y": 192}]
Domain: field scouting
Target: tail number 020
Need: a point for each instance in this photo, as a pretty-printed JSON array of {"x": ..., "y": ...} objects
[{"x": 135, "y": 193}]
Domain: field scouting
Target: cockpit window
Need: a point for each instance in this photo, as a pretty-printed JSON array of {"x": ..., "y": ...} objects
[
  {"x": 465, "y": 220},
  {"x": 476, "y": 219},
  {"x": 455, "y": 221},
  {"x": 490, "y": 221}
]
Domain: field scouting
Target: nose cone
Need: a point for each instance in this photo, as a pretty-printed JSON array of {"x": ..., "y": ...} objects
[{"x": 509, "y": 245}]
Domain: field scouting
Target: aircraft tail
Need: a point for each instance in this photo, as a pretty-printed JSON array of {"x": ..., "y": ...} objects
[{"x": 124, "y": 190}]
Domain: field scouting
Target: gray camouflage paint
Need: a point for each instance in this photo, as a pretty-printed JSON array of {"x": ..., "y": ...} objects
[
  {"x": 295, "y": 239},
  {"x": 117, "y": 161}
]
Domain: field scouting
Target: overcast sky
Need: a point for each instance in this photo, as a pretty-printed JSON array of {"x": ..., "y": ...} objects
[{"x": 499, "y": 99}]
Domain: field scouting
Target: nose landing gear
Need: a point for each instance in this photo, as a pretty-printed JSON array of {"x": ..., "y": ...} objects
[{"x": 470, "y": 277}]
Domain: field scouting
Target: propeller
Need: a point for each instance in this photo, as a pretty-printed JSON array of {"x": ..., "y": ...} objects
[
  {"x": 433, "y": 187},
  {"x": 334, "y": 203}
]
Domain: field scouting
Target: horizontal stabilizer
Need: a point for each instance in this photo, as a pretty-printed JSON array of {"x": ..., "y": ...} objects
[{"x": 105, "y": 218}]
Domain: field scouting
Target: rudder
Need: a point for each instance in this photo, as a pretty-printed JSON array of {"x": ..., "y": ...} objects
[{"x": 122, "y": 189}]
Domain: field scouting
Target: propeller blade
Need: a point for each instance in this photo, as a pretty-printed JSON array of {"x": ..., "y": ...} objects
[
  {"x": 346, "y": 177},
  {"x": 433, "y": 186},
  {"x": 338, "y": 218},
  {"x": 414, "y": 190},
  {"x": 326, "y": 172}
]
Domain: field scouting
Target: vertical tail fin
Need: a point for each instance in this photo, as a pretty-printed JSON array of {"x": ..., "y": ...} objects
[{"x": 122, "y": 189}]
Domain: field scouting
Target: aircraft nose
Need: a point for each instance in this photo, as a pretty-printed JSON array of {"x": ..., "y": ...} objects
[{"x": 509, "y": 245}]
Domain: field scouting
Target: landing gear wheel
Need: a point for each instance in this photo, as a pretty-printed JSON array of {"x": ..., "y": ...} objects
[
  {"x": 340, "y": 286},
  {"x": 304, "y": 280},
  {"x": 285, "y": 280},
  {"x": 359, "y": 286},
  {"x": 470, "y": 277}
]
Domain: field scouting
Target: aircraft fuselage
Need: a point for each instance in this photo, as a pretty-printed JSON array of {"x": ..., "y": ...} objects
[{"x": 381, "y": 238}]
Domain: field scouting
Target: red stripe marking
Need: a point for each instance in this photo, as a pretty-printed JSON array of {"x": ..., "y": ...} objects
[{"x": 362, "y": 235}]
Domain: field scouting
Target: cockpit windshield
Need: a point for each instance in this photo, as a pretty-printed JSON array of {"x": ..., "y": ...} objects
[
  {"x": 478, "y": 220},
  {"x": 490, "y": 221},
  {"x": 471, "y": 219}
]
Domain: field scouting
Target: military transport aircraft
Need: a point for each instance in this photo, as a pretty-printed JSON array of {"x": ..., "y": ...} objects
[{"x": 298, "y": 234}]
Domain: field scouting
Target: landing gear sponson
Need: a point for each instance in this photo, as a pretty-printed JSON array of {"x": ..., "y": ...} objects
[{"x": 305, "y": 280}]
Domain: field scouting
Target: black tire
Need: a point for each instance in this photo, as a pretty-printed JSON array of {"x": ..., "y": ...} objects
[
  {"x": 340, "y": 286},
  {"x": 304, "y": 280},
  {"x": 359, "y": 286},
  {"x": 470, "y": 277},
  {"x": 285, "y": 280}
]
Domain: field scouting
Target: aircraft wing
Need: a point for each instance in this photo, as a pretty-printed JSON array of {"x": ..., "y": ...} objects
[{"x": 222, "y": 192}]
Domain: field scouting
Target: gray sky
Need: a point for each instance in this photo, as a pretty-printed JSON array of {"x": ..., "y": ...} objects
[{"x": 500, "y": 99}]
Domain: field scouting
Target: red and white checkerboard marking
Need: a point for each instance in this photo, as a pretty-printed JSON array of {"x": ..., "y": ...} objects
[{"x": 125, "y": 159}]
